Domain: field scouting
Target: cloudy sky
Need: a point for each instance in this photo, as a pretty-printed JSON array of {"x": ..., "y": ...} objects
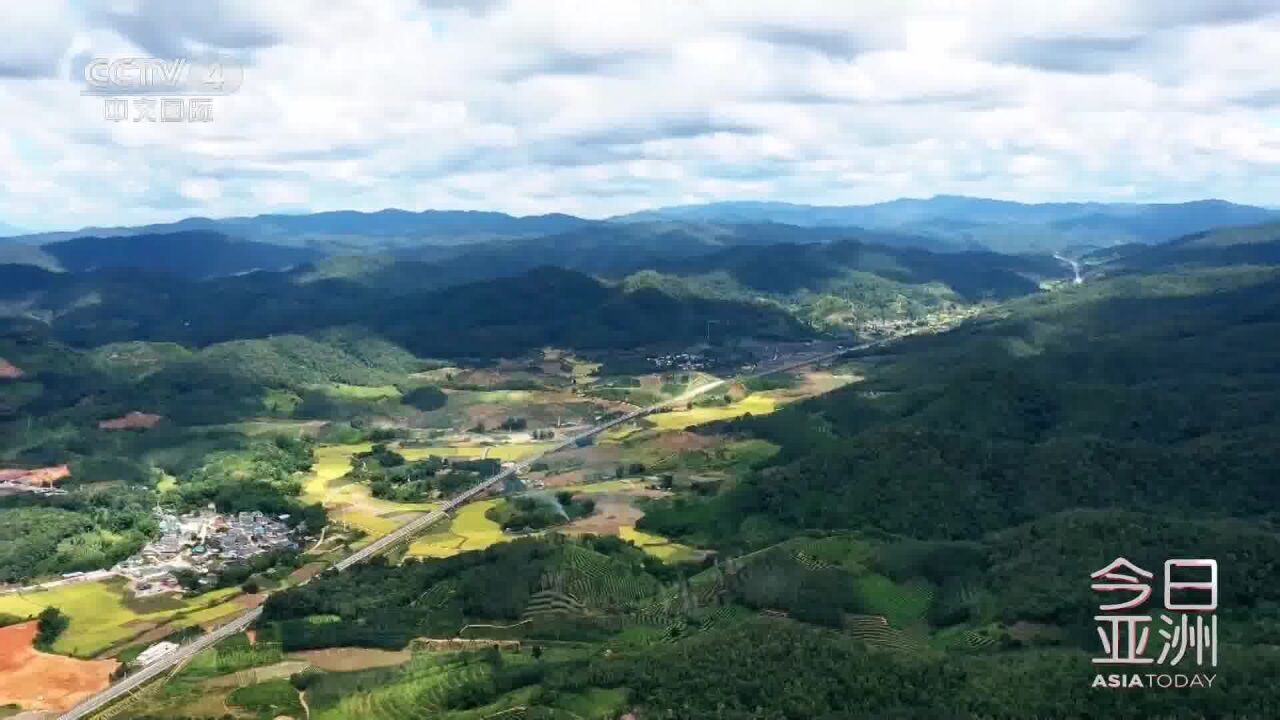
[{"x": 598, "y": 107}]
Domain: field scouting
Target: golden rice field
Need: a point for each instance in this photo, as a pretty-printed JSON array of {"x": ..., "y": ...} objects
[
  {"x": 656, "y": 545},
  {"x": 351, "y": 503},
  {"x": 469, "y": 530},
  {"x": 755, "y": 404}
]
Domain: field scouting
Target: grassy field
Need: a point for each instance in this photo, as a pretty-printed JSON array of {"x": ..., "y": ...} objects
[
  {"x": 102, "y": 615},
  {"x": 679, "y": 420},
  {"x": 361, "y": 392},
  {"x": 269, "y": 699}
]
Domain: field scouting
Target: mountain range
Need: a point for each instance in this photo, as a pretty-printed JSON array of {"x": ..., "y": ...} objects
[
  {"x": 992, "y": 224},
  {"x": 941, "y": 223}
]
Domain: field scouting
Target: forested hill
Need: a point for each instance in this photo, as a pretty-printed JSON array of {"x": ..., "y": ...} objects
[
  {"x": 191, "y": 254},
  {"x": 1155, "y": 393},
  {"x": 1248, "y": 245},
  {"x": 496, "y": 317},
  {"x": 789, "y": 268}
]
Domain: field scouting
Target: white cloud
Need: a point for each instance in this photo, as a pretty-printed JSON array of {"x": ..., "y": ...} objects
[{"x": 597, "y": 108}]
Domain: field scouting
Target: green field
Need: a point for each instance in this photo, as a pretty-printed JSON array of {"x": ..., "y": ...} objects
[
  {"x": 269, "y": 699},
  {"x": 361, "y": 392},
  {"x": 103, "y": 615}
]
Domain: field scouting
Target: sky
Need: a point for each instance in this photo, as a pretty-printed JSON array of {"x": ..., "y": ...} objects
[{"x": 601, "y": 107}]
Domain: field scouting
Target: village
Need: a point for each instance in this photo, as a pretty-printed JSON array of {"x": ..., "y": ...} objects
[{"x": 202, "y": 543}]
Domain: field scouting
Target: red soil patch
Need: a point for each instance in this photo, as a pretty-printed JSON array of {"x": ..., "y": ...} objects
[
  {"x": 36, "y": 477},
  {"x": 9, "y": 371},
  {"x": 248, "y": 602},
  {"x": 39, "y": 681},
  {"x": 131, "y": 421}
]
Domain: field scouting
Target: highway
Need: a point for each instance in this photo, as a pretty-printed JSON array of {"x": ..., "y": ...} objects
[
  {"x": 95, "y": 703},
  {"x": 161, "y": 666}
]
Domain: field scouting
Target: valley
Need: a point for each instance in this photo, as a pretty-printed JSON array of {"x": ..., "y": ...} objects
[{"x": 533, "y": 528}]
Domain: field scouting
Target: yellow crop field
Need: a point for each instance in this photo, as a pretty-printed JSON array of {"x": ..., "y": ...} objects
[
  {"x": 351, "y": 503},
  {"x": 679, "y": 420},
  {"x": 99, "y": 616},
  {"x": 656, "y": 545},
  {"x": 469, "y": 530}
]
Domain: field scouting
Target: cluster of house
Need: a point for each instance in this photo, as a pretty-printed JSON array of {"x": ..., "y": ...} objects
[
  {"x": 679, "y": 361},
  {"x": 202, "y": 542},
  {"x": 39, "y": 481}
]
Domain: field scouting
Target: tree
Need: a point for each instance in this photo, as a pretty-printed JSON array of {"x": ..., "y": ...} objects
[
  {"x": 52, "y": 622},
  {"x": 188, "y": 579},
  {"x": 425, "y": 398}
]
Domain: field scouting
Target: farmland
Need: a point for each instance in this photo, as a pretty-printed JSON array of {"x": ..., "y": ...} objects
[{"x": 103, "y": 614}]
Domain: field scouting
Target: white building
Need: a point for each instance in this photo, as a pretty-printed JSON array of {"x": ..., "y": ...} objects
[{"x": 155, "y": 652}]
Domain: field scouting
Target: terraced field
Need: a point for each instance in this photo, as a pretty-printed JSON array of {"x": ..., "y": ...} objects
[
  {"x": 418, "y": 690},
  {"x": 234, "y": 654},
  {"x": 102, "y": 614},
  {"x": 903, "y": 604}
]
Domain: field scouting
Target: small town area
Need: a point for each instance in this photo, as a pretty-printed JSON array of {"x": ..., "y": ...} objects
[{"x": 203, "y": 543}]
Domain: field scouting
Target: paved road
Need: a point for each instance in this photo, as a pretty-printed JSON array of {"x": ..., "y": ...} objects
[
  {"x": 161, "y": 666},
  {"x": 86, "y": 577},
  {"x": 93, "y": 704}
]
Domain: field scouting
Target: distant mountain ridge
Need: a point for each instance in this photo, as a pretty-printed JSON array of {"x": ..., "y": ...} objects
[
  {"x": 941, "y": 223},
  {"x": 347, "y": 230},
  {"x": 1000, "y": 225}
]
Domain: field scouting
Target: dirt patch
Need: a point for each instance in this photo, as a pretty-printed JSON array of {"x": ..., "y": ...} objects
[
  {"x": 348, "y": 659},
  {"x": 40, "y": 681},
  {"x": 131, "y": 421},
  {"x": 682, "y": 441},
  {"x": 612, "y": 512},
  {"x": 9, "y": 371},
  {"x": 306, "y": 572},
  {"x": 488, "y": 413},
  {"x": 253, "y": 676},
  {"x": 36, "y": 477},
  {"x": 248, "y": 602},
  {"x": 565, "y": 479}
]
